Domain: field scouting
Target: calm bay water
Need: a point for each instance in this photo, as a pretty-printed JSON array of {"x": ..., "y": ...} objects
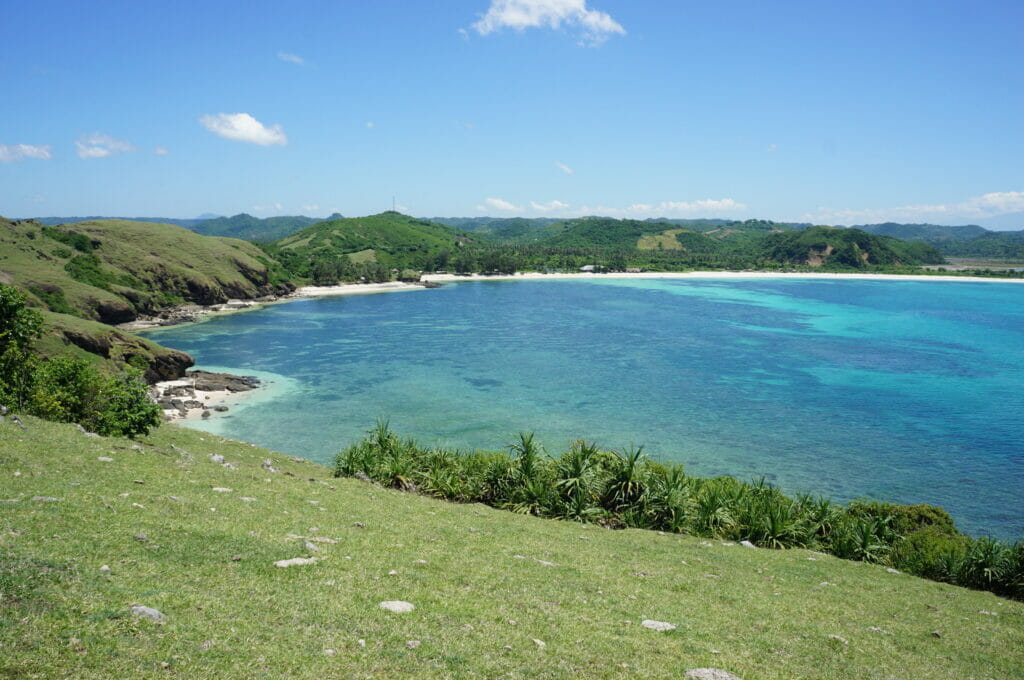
[{"x": 903, "y": 391}]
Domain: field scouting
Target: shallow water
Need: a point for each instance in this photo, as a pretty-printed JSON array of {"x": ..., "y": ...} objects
[{"x": 904, "y": 391}]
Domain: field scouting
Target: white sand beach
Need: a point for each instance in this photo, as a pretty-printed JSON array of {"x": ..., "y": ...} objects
[{"x": 523, "y": 276}]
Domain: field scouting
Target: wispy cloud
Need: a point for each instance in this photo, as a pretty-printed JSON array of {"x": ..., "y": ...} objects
[
  {"x": 550, "y": 206},
  {"x": 99, "y": 145},
  {"x": 291, "y": 58},
  {"x": 565, "y": 168},
  {"x": 18, "y": 152},
  {"x": 465, "y": 124},
  {"x": 976, "y": 208},
  {"x": 370, "y": 124},
  {"x": 160, "y": 151},
  {"x": 498, "y": 204},
  {"x": 711, "y": 207},
  {"x": 594, "y": 26},
  {"x": 242, "y": 127},
  {"x": 273, "y": 207}
]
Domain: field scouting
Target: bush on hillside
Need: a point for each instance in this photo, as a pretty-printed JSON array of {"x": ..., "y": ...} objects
[
  {"x": 64, "y": 388},
  {"x": 626, "y": 489}
]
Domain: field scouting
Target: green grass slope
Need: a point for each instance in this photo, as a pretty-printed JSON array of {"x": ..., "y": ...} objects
[
  {"x": 113, "y": 270},
  {"x": 108, "y": 346},
  {"x": 182, "y": 533},
  {"x": 397, "y": 240}
]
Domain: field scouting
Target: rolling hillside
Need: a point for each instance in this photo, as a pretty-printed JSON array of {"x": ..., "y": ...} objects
[
  {"x": 833, "y": 247},
  {"x": 191, "y": 525},
  {"x": 390, "y": 238},
  {"x": 114, "y": 270},
  {"x": 249, "y": 228}
]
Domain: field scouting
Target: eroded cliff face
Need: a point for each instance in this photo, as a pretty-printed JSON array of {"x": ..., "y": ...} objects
[{"x": 118, "y": 347}]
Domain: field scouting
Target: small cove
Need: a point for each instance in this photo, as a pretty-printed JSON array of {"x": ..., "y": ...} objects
[{"x": 898, "y": 390}]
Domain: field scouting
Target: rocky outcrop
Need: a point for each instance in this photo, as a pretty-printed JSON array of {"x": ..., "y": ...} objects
[
  {"x": 168, "y": 365},
  {"x": 219, "y": 382}
]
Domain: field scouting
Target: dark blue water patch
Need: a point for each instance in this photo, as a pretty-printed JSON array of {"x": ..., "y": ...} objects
[{"x": 893, "y": 390}]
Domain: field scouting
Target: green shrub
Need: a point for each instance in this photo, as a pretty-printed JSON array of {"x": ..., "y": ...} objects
[
  {"x": 625, "y": 489},
  {"x": 70, "y": 390},
  {"x": 79, "y": 242},
  {"x": 931, "y": 552},
  {"x": 20, "y": 327},
  {"x": 53, "y": 298}
]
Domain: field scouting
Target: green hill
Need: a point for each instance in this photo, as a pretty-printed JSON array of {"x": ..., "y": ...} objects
[
  {"x": 114, "y": 270},
  {"x": 506, "y": 229},
  {"x": 91, "y": 527},
  {"x": 853, "y": 248},
  {"x": 390, "y": 239},
  {"x": 930, "y": 233},
  {"x": 249, "y": 228}
]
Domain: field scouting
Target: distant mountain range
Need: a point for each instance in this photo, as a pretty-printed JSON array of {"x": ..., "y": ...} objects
[{"x": 969, "y": 240}]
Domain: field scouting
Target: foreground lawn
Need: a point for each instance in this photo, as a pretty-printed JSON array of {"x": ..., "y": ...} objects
[{"x": 495, "y": 594}]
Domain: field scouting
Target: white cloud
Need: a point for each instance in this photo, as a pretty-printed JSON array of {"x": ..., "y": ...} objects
[
  {"x": 710, "y": 207},
  {"x": 498, "y": 204},
  {"x": 160, "y": 151},
  {"x": 273, "y": 207},
  {"x": 309, "y": 208},
  {"x": 244, "y": 128},
  {"x": 18, "y": 152},
  {"x": 370, "y": 124},
  {"x": 773, "y": 147},
  {"x": 99, "y": 145},
  {"x": 594, "y": 26},
  {"x": 978, "y": 207},
  {"x": 550, "y": 206},
  {"x": 465, "y": 124},
  {"x": 724, "y": 207},
  {"x": 565, "y": 168},
  {"x": 291, "y": 58}
]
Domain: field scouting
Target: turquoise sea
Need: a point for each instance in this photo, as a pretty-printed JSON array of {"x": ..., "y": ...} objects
[{"x": 897, "y": 390}]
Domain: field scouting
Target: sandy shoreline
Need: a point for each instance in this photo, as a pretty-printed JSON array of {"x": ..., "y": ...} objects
[
  {"x": 525, "y": 276},
  {"x": 210, "y": 400}
]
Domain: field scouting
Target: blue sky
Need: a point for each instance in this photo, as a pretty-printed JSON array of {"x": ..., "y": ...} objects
[{"x": 825, "y": 112}]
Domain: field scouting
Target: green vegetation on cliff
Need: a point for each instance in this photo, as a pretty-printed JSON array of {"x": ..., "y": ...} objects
[
  {"x": 93, "y": 526},
  {"x": 114, "y": 270},
  {"x": 66, "y": 388}
]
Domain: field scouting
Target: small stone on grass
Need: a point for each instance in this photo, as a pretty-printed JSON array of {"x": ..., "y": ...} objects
[
  {"x": 148, "y": 613},
  {"x": 709, "y": 674},
  {"x": 397, "y": 606},
  {"x": 295, "y": 562},
  {"x": 659, "y": 626}
]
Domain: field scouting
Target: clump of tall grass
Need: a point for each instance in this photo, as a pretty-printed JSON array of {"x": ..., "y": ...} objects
[{"x": 619, "y": 489}]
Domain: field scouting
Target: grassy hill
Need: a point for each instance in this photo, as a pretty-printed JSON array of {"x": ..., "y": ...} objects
[
  {"x": 506, "y": 229},
  {"x": 249, "y": 228},
  {"x": 832, "y": 247},
  {"x": 91, "y": 527},
  {"x": 390, "y": 238},
  {"x": 114, "y": 270}
]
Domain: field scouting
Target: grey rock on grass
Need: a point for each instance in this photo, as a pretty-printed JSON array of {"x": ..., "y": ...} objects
[
  {"x": 295, "y": 562},
  {"x": 148, "y": 613},
  {"x": 397, "y": 606},
  {"x": 710, "y": 674},
  {"x": 657, "y": 625}
]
